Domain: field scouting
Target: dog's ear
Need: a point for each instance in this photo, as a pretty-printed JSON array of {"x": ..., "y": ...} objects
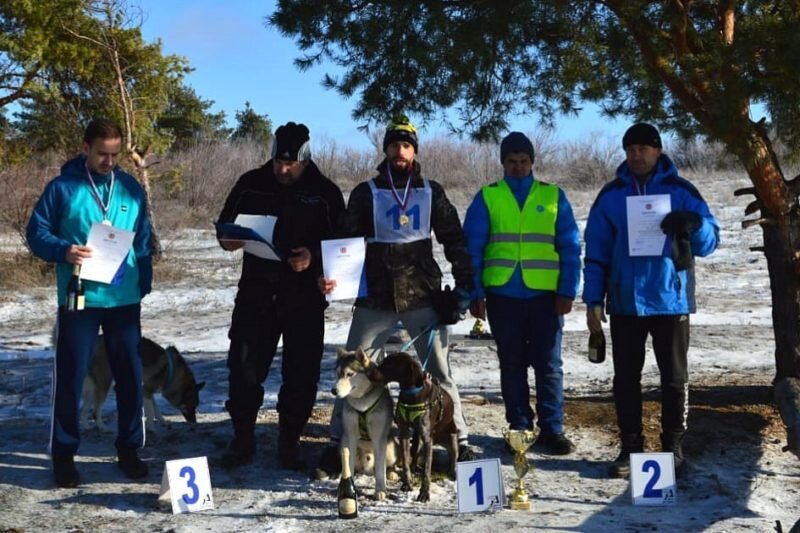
[{"x": 363, "y": 358}]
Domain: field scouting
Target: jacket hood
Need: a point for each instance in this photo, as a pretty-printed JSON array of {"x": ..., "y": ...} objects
[{"x": 76, "y": 168}]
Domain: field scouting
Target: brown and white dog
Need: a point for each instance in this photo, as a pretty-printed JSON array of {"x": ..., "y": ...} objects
[
  {"x": 164, "y": 370},
  {"x": 425, "y": 409}
]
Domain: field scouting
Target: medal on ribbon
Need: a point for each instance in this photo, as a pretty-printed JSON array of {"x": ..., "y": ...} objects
[
  {"x": 403, "y": 219},
  {"x": 98, "y": 198}
]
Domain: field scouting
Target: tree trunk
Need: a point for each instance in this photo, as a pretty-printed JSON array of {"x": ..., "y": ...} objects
[
  {"x": 140, "y": 162},
  {"x": 780, "y": 223}
]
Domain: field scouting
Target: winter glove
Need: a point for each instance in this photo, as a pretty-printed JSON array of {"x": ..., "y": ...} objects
[
  {"x": 679, "y": 222},
  {"x": 682, "y": 256},
  {"x": 450, "y": 305}
]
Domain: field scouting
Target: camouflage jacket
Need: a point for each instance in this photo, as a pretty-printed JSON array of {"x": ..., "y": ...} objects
[{"x": 401, "y": 277}]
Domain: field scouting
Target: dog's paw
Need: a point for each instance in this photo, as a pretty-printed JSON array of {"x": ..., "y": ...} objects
[
  {"x": 391, "y": 475},
  {"x": 380, "y": 496},
  {"x": 424, "y": 496}
]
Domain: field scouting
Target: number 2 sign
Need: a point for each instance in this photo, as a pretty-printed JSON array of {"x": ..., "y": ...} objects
[
  {"x": 187, "y": 484},
  {"x": 479, "y": 486},
  {"x": 653, "y": 479}
]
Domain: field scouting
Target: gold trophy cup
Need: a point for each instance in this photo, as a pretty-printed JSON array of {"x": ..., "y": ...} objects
[{"x": 520, "y": 440}]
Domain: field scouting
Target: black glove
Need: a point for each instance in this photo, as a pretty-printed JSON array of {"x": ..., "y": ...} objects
[
  {"x": 677, "y": 222},
  {"x": 450, "y": 305}
]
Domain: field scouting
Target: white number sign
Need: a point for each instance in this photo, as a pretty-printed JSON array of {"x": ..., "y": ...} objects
[
  {"x": 479, "y": 486},
  {"x": 653, "y": 479},
  {"x": 187, "y": 484}
]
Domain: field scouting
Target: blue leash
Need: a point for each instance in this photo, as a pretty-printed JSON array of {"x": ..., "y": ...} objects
[{"x": 431, "y": 331}]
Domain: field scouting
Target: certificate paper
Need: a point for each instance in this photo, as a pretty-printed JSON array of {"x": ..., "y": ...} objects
[
  {"x": 343, "y": 261},
  {"x": 645, "y": 214},
  {"x": 110, "y": 248},
  {"x": 256, "y": 232}
]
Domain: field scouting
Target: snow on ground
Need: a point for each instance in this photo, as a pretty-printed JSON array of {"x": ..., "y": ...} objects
[{"x": 739, "y": 479}]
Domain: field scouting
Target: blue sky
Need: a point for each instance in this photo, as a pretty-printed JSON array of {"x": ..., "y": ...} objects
[{"x": 237, "y": 59}]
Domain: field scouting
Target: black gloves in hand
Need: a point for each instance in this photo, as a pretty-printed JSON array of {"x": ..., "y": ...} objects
[
  {"x": 680, "y": 224},
  {"x": 451, "y": 305},
  {"x": 677, "y": 222}
]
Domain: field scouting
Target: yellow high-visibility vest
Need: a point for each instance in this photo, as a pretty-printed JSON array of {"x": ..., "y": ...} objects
[{"x": 525, "y": 237}]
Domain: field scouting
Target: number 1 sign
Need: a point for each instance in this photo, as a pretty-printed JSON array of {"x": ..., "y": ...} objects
[
  {"x": 653, "y": 479},
  {"x": 187, "y": 484},
  {"x": 479, "y": 486}
]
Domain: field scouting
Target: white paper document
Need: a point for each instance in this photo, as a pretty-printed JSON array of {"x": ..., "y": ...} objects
[
  {"x": 343, "y": 261},
  {"x": 259, "y": 244},
  {"x": 110, "y": 248},
  {"x": 645, "y": 214}
]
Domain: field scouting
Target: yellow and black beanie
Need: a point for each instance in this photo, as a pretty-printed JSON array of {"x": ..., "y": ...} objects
[{"x": 400, "y": 129}]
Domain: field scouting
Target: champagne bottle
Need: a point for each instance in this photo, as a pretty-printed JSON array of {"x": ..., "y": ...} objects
[
  {"x": 597, "y": 346},
  {"x": 346, "y": 495},
  {"x": 75, "y": 298}
]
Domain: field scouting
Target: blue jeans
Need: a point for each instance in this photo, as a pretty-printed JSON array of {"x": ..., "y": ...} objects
[
  {"x": 528, "y": 333},
  {"x": 77, "y": 334}
]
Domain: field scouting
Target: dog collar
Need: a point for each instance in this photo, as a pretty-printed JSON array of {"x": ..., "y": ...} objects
[{"x": 411, "y": 391}]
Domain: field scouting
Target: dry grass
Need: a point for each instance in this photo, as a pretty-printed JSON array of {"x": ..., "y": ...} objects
[{"x": 21, "y": 271}]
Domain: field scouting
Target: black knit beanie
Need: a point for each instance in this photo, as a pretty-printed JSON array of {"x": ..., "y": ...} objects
[
  {"x": 291, "y": 143},
  {"x": 641, "y": 133},
  {"x": 515, "y": 143}
]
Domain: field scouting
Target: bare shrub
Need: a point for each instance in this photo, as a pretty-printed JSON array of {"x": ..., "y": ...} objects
[
  {"x": 345, "y": 165},
  {"x": 20, "y": 188},
  {"x": 192, "y": 184},
  {"x": 588, "y": 164}
]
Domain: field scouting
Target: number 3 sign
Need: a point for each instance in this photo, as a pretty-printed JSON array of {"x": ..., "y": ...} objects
[
  {"x": 187, "y": 484},
  {"x": 653, "y": 479},
  {"x": 479, "y": 486}
]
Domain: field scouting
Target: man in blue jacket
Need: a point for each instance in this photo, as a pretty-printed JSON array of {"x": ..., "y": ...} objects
[
  {"x": 525, "y": 249},
  {"x": 91, "y": 189},
  {"x": 642, "y": 272}
]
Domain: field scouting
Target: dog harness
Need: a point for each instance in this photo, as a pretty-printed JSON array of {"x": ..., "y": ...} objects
[
  {"x": 363, "y": 431},
  {"x": 409, "y": 412}
]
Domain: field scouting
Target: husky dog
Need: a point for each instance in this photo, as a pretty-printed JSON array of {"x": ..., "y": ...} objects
[
  {"x": 163, "y": 370},
  {"x": 366, "y": 414}
]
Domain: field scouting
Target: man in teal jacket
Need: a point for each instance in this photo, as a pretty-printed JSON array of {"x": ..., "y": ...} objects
[
  {"x": 641, "y": 271},
  {"x": 91, "y": 189}
]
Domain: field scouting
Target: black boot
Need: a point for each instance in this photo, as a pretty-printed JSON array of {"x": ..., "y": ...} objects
[
  {"x": 631, "y": 443},
  {"x": 290, "y": 454},
  {"x": 242, "y": 448},
  {"x": 64, "y": 471},
  {"x": 129, "y": 462},
  {"x": 671, "y": 441}
]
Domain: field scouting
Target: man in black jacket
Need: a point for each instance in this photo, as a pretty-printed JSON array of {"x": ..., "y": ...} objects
[
  {"x": 396, "y": 211},
  {"x": 279, "y": 297}
]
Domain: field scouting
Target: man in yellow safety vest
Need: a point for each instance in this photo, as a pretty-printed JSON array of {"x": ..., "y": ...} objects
[{"x": 525, "y": 249}]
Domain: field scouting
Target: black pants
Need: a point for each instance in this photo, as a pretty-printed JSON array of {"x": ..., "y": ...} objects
[
  {"x": 670, "y": 335},
  {"x": 259, "y": 320}
]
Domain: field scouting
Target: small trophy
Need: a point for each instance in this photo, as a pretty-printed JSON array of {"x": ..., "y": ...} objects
[{"x": 520, "y": 440}]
